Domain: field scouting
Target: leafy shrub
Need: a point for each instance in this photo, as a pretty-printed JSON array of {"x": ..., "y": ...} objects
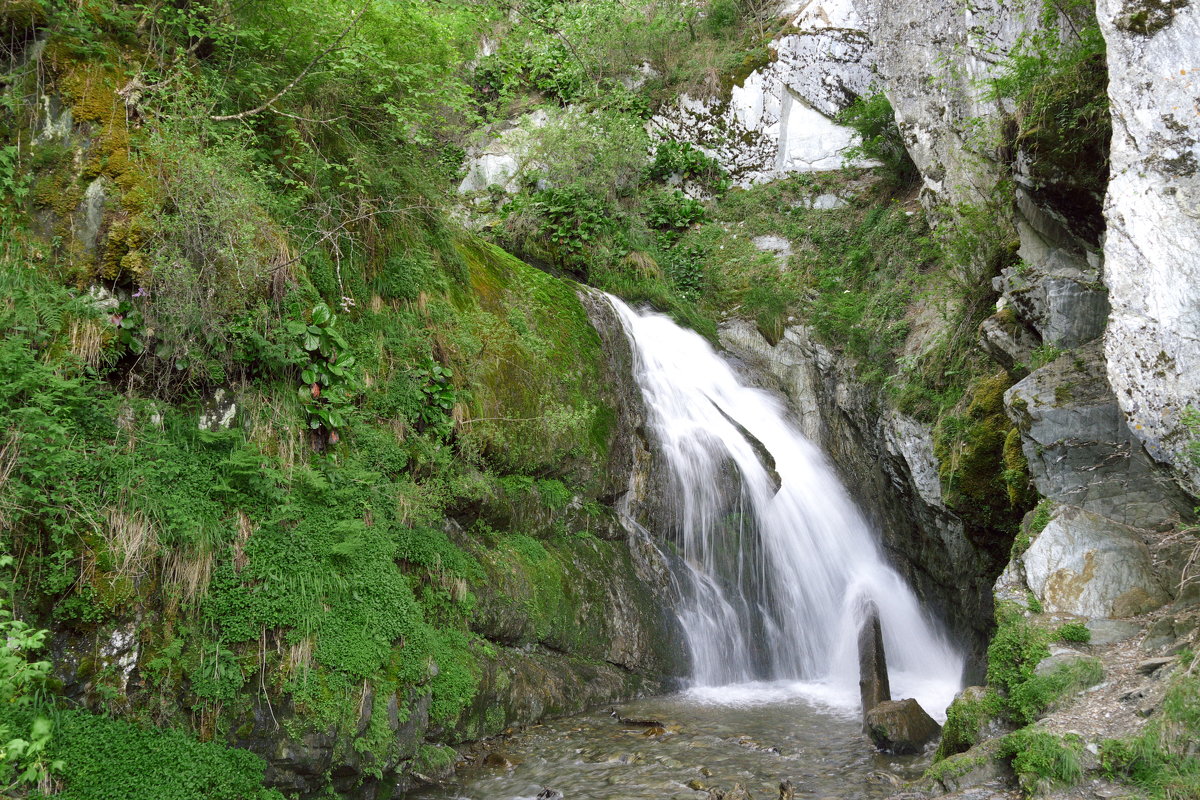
[
  {"x": 874, "y": 120},
  {"x": 672, "y": 212},
  {"x": 1016, "y": 648},
  {"x": 329, "y": 381},
  {"x": 25, "y": 724},
  {"x": 684, "y": 160}
]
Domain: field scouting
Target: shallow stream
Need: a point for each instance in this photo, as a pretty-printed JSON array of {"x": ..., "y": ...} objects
[{"x": 756, "y": 734}]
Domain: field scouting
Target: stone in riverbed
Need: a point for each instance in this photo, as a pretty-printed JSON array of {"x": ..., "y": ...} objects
[
  {"x": 901, "y": 726},
  {"x": 738, "y": 792},
  {"x": 873, "y": 685}
]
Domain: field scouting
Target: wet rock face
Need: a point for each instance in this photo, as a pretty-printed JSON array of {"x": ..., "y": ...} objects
[
  {"x": 1152, "y": 247},
  {"x": 901, "y": 726},
  {"x": 1087, "y": 565},
  {"x": 888, "y": 465},
  {"x": 873, "y": 684}
]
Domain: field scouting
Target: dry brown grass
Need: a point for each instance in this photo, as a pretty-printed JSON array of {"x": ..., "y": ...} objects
[
  {"x": 187, "y": 572},
  {"x": 87, "y": 337},
  {"x": 131, "y": 539},
  {"x": 9, "y": 451}
]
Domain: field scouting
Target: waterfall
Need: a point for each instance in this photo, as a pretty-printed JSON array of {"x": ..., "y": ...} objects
[{"x": 777, "y": 562}]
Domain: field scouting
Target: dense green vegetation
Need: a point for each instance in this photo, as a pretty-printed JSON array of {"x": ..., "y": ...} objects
[
  {"x": 241, "y": 213},
  {"x": 273, "y": 257}
]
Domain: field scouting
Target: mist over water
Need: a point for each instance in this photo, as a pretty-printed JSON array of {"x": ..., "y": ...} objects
[{"x": 779, "y": 561}]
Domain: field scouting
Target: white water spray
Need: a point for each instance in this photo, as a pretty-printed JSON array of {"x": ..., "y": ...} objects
[{"x": 778, "y": 565}]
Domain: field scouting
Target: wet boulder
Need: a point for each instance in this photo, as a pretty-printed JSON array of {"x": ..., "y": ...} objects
[
  {"x": 738, "y": 792},
  {"x": 901, "y": 726},
  {"x": 873, "y": 684}
]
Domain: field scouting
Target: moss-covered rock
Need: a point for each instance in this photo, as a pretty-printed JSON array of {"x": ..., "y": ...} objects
[{"x": 982, "y": 471}]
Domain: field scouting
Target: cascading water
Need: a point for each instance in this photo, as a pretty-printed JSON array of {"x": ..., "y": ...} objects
[{"x": 779, "y": 561}]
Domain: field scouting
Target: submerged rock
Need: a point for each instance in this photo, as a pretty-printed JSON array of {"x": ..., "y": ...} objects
[
  {"x": 738, "y": 792},
  {"x": 901, "y": 726}
]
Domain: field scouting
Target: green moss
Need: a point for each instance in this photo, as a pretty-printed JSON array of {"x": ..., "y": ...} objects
[
  {"x": 1148, "y": 17},
  {"x": 433, "y": 759},
  {"x": 953, "y": 767},
  {"x": 106, "y": 758},
  {"x": 965, "y": 717},
  {"x": 522, "y": 341},
  {"x": 1016, "y": 471},
  {"x": 982, "y": 469}
]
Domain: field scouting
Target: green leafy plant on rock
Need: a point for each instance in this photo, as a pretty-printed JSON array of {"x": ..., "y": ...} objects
[
  {"x": 1043, "y": 760},
  {"x": 25, "y": 724},
  {"x": 440, "y": 395},
  {"x": 330, "y": 383},
  {"x": 874, "y": 120}
]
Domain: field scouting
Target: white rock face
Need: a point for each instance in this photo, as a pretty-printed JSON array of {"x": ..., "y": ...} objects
[
  {"x": 931, "y": 58},
  {"x": 779, "y": 119},
  {"x": 1087, "y": 565},
  {"x": 497, "y": 162},
  {"x": 1152, "y": 250}
]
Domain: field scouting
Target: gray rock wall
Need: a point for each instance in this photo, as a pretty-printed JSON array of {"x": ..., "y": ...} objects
[
  {"x": 1152, "y": 247},
  {"x": 931, "y": 57}
]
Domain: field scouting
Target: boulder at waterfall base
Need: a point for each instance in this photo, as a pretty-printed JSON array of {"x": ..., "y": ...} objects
[{"x": 901, "y": 726}]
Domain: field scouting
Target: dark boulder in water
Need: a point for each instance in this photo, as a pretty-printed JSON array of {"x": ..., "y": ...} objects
[{"x": 901, "y": 726}]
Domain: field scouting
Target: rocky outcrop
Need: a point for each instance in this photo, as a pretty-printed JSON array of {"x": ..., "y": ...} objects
[
  {"x": 496, "y": 163},
  {"x": 1090, "y": 566},
  {"x": 1056, "y": 287},
  {"x": 931, "y": 57},
  {"x": 778, "y": 118},
  {"x": 1079, "y": 449},
  {"x": 1152, "y": 247}
]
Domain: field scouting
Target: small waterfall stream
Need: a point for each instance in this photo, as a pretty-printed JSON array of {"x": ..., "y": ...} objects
[
  {"x": 775, "y": 565},
  {"x": 779, "y": 561}
]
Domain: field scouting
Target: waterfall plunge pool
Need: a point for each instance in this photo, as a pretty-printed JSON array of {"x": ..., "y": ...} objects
[
  {"x": 777, "y": 567},
  {"x": 756, "y": 734}
]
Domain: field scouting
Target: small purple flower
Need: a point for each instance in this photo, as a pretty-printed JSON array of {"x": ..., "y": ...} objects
[{"x": 141, "y": 292}]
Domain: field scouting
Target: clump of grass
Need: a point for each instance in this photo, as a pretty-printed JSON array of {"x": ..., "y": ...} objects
[
  {"x": 1043, "y": 760},
  {"x": 1073, "y": 632}
]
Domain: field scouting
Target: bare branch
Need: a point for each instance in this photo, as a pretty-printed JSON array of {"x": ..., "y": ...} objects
[{"x": 342, "y": 227}]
